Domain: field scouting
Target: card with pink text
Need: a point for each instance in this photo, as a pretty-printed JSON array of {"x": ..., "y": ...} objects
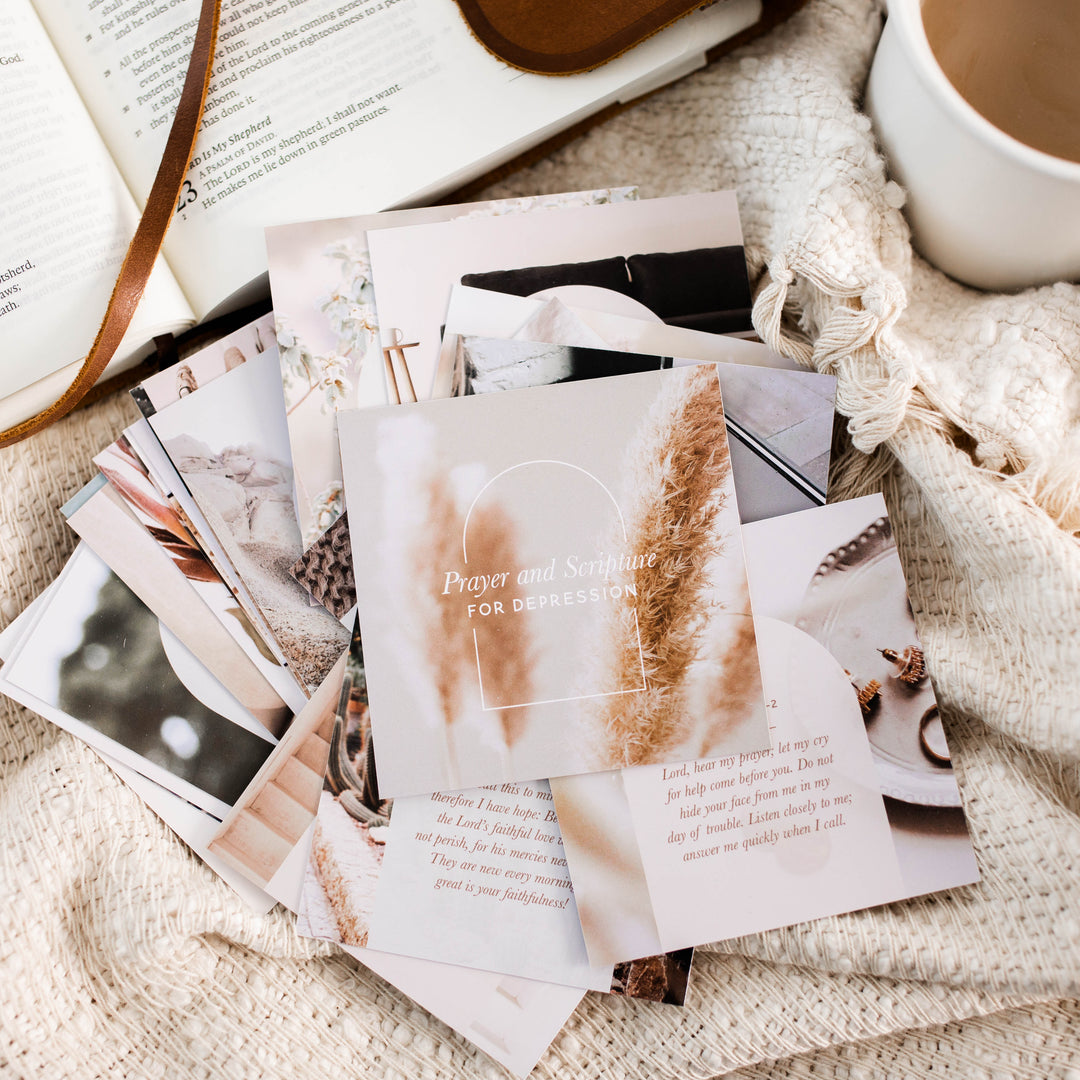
[{"x": 854, "y": 805}]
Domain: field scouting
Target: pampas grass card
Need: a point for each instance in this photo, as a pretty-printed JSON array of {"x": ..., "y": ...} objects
[
  {"x": 488, "y": 891},
  {"x": 553, "y": 581}
]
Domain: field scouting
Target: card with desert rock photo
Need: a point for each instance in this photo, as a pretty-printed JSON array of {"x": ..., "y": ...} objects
[
  {"x": 169, "y": 527},
  {"x": 230, "y": 444},
  {"x": 554, "y": 579}
]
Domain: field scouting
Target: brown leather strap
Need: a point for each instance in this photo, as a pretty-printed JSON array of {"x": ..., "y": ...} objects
[{"x": 145, "y": 244}]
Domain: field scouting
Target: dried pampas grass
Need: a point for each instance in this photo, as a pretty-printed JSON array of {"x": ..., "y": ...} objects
[
  {"x": 678, "y": 478},
  {"x": 727, "y": 691},
  {"x": 448, "y": 644},
  {"x": 447, "y": 640},
  {"x": 503, "y": 643}
]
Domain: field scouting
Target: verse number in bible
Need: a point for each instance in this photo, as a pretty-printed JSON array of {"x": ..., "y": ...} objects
[{"x": 188, "y": 195}]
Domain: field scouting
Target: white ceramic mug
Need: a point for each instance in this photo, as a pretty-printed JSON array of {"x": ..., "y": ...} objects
[{"x": 984, "y": 207}]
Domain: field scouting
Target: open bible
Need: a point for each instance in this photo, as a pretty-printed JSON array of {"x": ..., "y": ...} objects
[{"x": 316, "y": 108}]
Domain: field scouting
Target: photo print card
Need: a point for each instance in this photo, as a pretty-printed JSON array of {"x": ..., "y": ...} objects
[
  {"x": 176, "y": 582},
  {"x": 512, "y": 1020},
  {"x": 119, "y": 680},
  {"x": 328, "y": 330},
  {"x": 192, "y": 825},
  {"x": 779, "y": 416},
  {"x": 679, "y": 259},
  {"x": 204, "y": 366},
  {"x": 484, "y": 313},
  {"x": 779, "y": 423},
  {"x": 169, "y": 485},
  {"x": 229, "y": 443},
  {"x": 159, "y": 484},
  {"x": 474, "y": 878},
  {"x": 554, "y": 581},
  {"x": 854, "y": 805},
  {"x": 170, "y": 527},
  {"x": 274, "y": 816}
]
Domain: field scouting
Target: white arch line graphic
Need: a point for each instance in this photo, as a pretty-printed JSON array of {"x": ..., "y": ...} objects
[
  {"x": 522, "y": 465},
  {"x": 484, "y": 707}
]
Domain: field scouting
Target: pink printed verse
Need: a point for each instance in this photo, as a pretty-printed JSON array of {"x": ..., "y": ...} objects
[{"x": 500, "y": 841}]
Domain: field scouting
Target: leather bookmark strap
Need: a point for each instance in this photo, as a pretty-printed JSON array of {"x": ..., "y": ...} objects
[{"x": 146, "y": 243}]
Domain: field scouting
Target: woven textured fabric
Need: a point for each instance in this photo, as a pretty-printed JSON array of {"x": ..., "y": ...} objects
[{"x": 123, "y": 956}]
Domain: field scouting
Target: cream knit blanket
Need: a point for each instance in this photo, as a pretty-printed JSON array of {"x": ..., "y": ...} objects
[{"x": 123, "y": 956}]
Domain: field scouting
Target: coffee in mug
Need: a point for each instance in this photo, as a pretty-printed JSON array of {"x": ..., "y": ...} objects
[
  {"x": 975, "y": 105},
  {"x": 1017, "y": 62}
]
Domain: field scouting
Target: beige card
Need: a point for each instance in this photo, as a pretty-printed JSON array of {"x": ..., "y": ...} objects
[{"x": 549, "y": 576}]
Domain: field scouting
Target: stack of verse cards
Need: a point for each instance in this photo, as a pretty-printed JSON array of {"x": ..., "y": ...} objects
[{"x": 482, "y": 605}]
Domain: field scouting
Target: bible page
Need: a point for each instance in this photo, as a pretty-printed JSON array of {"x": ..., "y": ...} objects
[
  {"x": 319, "y": 108},
  {"x": 68, "y": 218}
]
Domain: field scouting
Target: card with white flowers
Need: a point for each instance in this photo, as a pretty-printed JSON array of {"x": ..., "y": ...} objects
[{"x": 328, "y": 330}]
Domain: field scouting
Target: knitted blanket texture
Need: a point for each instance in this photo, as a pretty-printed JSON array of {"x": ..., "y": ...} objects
[{"x": 122, "y": 955}]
